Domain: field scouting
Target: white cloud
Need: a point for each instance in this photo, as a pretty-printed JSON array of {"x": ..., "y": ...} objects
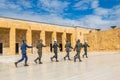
[
  {"x": 9, "y": 5},
  {"x": 53, "y": 6},
  {"x": 86, "y": 4},
  {"x": 95, "y": 4},
  {"x": 56, "y": 7},
  {"x": 101, "y": 11},
  {"x": 24, "y": 3}
]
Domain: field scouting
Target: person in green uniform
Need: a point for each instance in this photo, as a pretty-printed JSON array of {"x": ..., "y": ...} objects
[
  {"x": 77, "y": 48},
  {"x": 39, "y": 47},
  {"x": 68, "y": 49},
  {"x": 85, "y": 46}
]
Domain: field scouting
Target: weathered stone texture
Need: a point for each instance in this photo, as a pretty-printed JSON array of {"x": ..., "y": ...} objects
[{"x": 107, "y": 40}]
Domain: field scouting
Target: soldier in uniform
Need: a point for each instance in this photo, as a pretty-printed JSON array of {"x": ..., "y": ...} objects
[
  {"x": 85, "y": 45},
  {"x": 68, "y": 49},
  {"x": 78, "y": 47},
  {"x": 39, "y": 47},
  {"x": 55, "y": 46},
  {"x": 24, "y": 47}
]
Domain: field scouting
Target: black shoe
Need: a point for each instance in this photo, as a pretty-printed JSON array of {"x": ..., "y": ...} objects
[
  {"x": 86, "y": 56},
  {"x": 69, "y": 59},
  {"x": 26, "y": 65},
  {"x": 15, "y": 64},
  {"x": 51, "y": 59},
  {"x": 35, "y": 61},
  {"x": 57, "y": 60},
  {"x": 40, "y": 63},
  {"x": 80, "y": 60}
]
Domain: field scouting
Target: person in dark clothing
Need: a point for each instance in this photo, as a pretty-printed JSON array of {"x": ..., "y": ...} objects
[
  {"x": 55, "y": 46},
  {"x": 68, "y": 49},
  {"x": 24, "y": 47},
  {"x": 51, "y": 47},
  {"x": 77, "y": 48},
  {"x": 39, "y": 47},
  {"x": 85, "y": 45}
]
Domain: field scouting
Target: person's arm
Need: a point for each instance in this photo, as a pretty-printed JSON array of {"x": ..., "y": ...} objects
[
  {"x": 29, "y": 46},
  {"x": 75, "y": 47},
  {"x": 71, "y": 46},
  {"x": 88, "y": 45}
]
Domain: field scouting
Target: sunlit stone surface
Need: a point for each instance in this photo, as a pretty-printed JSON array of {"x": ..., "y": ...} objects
[{"x": 99, "y": 66}]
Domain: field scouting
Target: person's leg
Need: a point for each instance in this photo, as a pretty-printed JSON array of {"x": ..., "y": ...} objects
[
  {"x": 53, "y": 56},
  {"x": 26, "y": 59},
  {"x": 40, "y": 56},
  {"x": 19, "y": 60},
  {"x": 75, "y": 57},
  {"x": 68, "y": 54},
  {"x": 65, "y": 56},
  {"x": 36, "y": 60},
  {"x": 79, "y": 57},
  {"x": 56, "y": 56},
  {"x": 86, "y": 53}
]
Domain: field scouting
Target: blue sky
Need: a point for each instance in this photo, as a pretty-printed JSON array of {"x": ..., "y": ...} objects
[{"x": 84, "y": 13}]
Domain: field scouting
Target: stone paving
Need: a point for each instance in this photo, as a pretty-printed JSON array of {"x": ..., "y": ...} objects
[{"x": 99, "y": 66}]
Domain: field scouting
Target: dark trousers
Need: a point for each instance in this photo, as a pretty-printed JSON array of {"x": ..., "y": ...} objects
[
  {"x": 77, "y": 56},
  {"x": 67, "y": 55},
  {"x": 39, "y": 56},
  {"x": 85, "y": 53},
  {"x": 55, "y": 55},
  {"x": 24, "y": 56}
]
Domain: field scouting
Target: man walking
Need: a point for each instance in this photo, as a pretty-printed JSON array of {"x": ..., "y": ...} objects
[
  {"x": 24, "y": 47},
  {"x": 85, "y": 45},
  {"x": 78, "y": 47},
  {"x": 68, "y": 49},
  {"x": 55, "y": 46},
  {"x": 39, "y": 47}
]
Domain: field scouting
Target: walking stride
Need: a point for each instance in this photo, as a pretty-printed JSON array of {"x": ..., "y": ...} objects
[
  {"x": 39, "y": 47},
  {"x": 55, "y": 46},
  {"x": 24, "y": 47},
  {"x": 78, "y": 47},
  {"x": 85, "y": 45},
  {"x": 68, "y": 49}
]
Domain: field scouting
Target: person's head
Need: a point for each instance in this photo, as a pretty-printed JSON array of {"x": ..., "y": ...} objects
[
  {"x": 55, "y": 41},
  {"x": 67, "y": 41},
  {"x": 78, "y": 41},
  {"x": 24, "y": 40},
  {"x": 85, "y": 41},
  {"x": 40, "y": 40}
]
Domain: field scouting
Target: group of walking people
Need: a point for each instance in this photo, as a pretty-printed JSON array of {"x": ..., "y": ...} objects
[{"x": 40, "y": 45}]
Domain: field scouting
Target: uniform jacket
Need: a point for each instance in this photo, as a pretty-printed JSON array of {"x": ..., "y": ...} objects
[
  {"x": 78, "y": 47},
  {"x": 85, "y": 45},
  {"x": 55, "y": 46},
  {"x": 24, "y": 47},
  {"x": 39, "y": 47},
  {"x": 68, "y": 47}
]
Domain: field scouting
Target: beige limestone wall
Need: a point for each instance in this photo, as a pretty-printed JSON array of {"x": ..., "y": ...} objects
[
  {"x": 59, "y": 38},
  {"x": 107, "y": 40},
  {"x": 4, "y": 39},
  {"x": 32, "y": 29}
]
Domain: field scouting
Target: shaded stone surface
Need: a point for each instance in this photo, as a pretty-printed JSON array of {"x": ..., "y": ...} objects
[{"x": 99, "y": 66}]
